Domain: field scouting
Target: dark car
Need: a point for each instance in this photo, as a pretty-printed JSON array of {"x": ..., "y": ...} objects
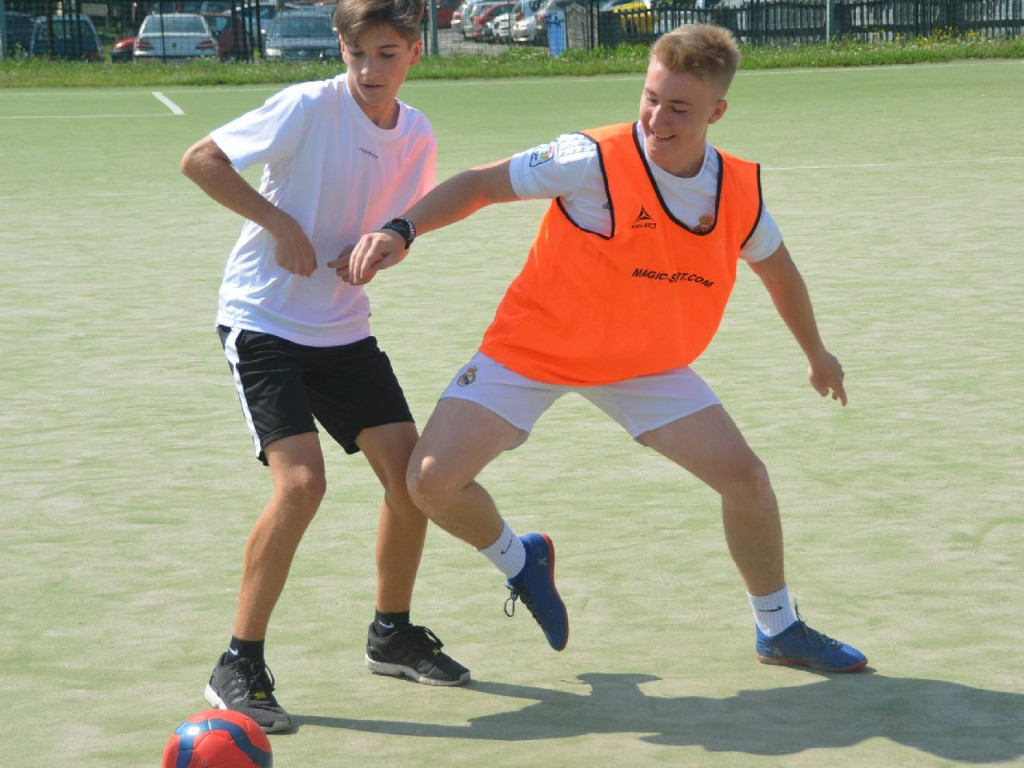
[
  {"x": 65, "y": 37},
  {"x": 19, "y": 34},
  {"x": 302, "y": 35}
]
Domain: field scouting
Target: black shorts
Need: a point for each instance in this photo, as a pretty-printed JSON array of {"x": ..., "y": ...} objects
[{"x": 284, "y": 386}]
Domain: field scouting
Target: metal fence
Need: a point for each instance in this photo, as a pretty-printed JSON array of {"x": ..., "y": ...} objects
[
  {"x": 790, "y": 22},
  {"x": 244, "y": 29}
]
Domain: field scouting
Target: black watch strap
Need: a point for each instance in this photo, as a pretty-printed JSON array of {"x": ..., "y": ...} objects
[{"x": 404, "y": 227}]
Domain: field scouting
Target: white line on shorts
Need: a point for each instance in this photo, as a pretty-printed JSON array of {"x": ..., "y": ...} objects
[{"x": 175, "y": 109}]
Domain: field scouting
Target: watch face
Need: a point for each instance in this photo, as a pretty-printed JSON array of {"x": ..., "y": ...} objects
[{"x": 403, "y": 227}]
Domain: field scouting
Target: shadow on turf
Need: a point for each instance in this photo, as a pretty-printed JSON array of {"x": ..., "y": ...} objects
[{"x": 948, "y": 720}]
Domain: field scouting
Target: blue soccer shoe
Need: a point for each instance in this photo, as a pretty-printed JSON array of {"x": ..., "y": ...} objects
[
  {"x": 535, "y": 586},
  {"x": 800, "y": 646}
]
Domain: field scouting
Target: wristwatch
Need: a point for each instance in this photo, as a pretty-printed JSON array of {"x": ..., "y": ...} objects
[{"x": 404, "y": 227}]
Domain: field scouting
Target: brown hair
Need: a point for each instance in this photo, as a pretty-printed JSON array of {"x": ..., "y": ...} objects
[
  {"x": 705, "y": 50},
  {"x": 354, "y": 17}
]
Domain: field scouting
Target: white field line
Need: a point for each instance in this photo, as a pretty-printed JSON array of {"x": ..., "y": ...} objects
[
  {"x": 78, "y": 117},
  {"x": 175, "y": 109}
]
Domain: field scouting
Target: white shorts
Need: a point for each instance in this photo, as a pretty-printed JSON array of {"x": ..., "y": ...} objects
[{"x": 639, "y": 405}]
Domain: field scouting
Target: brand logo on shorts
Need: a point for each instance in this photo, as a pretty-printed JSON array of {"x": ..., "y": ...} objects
[{"x": 468, "y": 377}]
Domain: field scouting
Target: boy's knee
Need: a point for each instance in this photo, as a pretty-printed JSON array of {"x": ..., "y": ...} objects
[
  {"x": 427, "y": 488},
  {"x": 304, "y": 487},
  {"x": 753, "y": 481}
]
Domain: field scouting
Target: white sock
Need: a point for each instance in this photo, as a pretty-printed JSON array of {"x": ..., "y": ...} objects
[
  {"x": 507, "y": 552},
  {"x": 773, "y": 612}
]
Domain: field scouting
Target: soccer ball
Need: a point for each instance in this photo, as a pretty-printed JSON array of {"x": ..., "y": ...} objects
[{"x": 218, "y": 738}]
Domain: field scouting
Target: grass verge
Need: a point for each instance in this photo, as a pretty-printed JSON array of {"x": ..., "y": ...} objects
[{"x": 514, "y": 62}]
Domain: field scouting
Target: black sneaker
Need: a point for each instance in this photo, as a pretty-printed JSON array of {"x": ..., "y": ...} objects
[
  {"x": 413, "y": 652},
  {"x": 247, "y": 686}
]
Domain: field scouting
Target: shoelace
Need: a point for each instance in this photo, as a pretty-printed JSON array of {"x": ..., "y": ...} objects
[
  {"x": 426, "y": 637},
  {"x": 818, "y": 639},
  {"x": 256, "y": 677},
  {"x": 814, "y": 637},
  {"x": 517, "y": 593}
]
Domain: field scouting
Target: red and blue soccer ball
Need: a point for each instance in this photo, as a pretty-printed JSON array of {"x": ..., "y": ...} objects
[{"x": 218, "y": 738}]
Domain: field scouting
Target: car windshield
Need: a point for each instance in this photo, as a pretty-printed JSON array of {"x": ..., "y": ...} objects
[
  {"x": 218, "y": 23},
  {"x": 314, "y": 25},
  {"x": 190, "y": 25},
  {"x": 65, "y": 29}
]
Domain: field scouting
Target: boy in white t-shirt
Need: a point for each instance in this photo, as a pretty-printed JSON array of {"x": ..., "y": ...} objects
[{"x": 339, "y": 157}]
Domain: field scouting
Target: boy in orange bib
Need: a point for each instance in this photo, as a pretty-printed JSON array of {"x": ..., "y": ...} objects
[{"x": 624, "y": 287}]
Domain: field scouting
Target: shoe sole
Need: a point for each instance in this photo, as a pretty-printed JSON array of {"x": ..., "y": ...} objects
[
  {"x": 398, "y": 670},
  {"x": 276, "y": 727},
  {"x": 800, "y": 663}
]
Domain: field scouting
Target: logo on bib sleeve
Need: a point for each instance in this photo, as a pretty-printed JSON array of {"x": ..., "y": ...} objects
[{"x": 542, "y": 155}]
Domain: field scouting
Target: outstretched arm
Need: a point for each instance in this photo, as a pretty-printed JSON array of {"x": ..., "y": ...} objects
[
  {"x": 206, "y": 164},
  {"x": 789, "y": 294},
  {"x": 449, "y": 202}
]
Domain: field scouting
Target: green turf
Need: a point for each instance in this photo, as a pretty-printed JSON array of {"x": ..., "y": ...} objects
[{"x": 128, "y": 488}]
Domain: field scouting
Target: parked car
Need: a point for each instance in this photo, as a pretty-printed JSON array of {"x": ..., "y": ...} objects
[
  {"x": 499, "y": 29},
  {"x": 443, "y": 12},
  {"x": 302, "y": 35},
  {"x": 635, "y": 16},
  {"x": 535, "y": 28},
  {"x": 123, "y": 50},
  {"x": 233, "y": 34},
  {"x": 459, "y": 14},
  {"x": 65, "y": 37},
  {"x": 19, "y": 34},
  {"x": 174, "y": 36},
  {"x": 523, "y": 28},
  {"x": 476, "y": 30}
]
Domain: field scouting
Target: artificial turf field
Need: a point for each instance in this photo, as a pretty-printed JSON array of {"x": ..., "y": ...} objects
[{"x": 127, "y": 486}]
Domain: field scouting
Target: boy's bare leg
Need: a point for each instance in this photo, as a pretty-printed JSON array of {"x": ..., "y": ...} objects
[
  {"x": 709, "y": 444},
  {"x": 395, "y": 646},
  {"x": 297, "y": 467},
  {"x": 460, "y": 439},
  {"x": 402, "y": 528}
]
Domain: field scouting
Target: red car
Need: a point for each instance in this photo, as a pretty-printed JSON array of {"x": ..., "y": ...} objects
[
  {"x": 123, "y": 50},
  {"x": 234, "y": 41},
  {"x": 443, "y": 10},
  {"x": 477, "y": 24}
]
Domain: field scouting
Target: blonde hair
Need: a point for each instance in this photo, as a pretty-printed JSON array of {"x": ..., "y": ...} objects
[
  {"x": 354, "y": 17},
  {"x": 710, "y": 52}
]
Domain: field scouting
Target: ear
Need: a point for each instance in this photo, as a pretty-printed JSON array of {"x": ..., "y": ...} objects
[
  {"x": 720, "y": 106},
  {"x": 417, "y": 52}
]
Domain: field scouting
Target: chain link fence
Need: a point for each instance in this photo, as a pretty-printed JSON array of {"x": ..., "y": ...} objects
[{"x": 247, "y": 30}]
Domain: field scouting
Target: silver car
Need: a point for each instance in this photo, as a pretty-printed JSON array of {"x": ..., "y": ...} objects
[
  {"x": 174, "y": 36},
  {"x": 302, "y": 35}
]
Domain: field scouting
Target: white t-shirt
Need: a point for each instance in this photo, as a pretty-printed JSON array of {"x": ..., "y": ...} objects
[
  {"x": 569, "y": 168},
  {"x": 339, "y": 175}
]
